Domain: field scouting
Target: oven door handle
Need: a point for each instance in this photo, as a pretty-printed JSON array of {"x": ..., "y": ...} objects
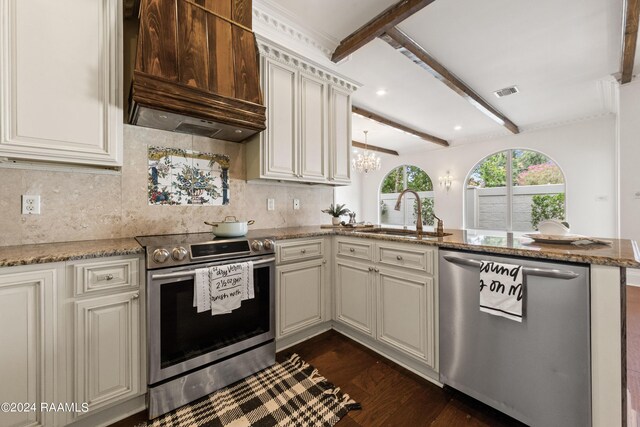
[{"x": 193, "y": 272}]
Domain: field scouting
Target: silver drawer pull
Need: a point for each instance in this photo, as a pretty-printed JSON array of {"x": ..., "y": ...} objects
[
  {"x": 303, "y": 251},
  {"x": 109, "y": 277},
  {"x": 399, "y": 257},
  {"x": 544, "y": 272},
  {"x": 352, "y": 250},
  {"x": 370, "y": 268},
  {"x": 136, "y": 295}
]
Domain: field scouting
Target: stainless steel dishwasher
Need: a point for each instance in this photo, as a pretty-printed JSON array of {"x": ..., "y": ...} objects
[{"x": 537, "y": 371}]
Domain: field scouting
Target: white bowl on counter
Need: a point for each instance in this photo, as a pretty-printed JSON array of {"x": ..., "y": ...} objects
[{"x": 553, "y": 227}]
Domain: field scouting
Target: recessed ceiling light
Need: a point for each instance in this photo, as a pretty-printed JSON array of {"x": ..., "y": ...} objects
[
  {"x": 381, "y": 92},
  {"x": 457, "y": 127}
]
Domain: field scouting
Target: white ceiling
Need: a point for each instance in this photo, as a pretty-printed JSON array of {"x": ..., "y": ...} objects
[{"x": 556, "y": 52}]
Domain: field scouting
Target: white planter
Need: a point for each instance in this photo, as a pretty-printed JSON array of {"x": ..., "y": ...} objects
[{"x": 335, "y": 220}]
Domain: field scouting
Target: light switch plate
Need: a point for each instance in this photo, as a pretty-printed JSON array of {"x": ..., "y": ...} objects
[
  {"x": 30, "y": 205},
  {"x": 296, "y": 204},
  {"x": 271, "y": 204}
]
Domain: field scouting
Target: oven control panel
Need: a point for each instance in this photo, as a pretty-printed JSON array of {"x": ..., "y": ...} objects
[{"x": 184, "y": 253}]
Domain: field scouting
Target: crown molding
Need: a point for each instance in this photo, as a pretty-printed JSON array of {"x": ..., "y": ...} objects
[
  {"x": 270, "y": 18},
  {"x": 274, "y": 51},
  {"x": 533, "y": 127}
]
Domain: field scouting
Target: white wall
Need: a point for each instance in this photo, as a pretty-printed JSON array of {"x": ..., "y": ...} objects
[
  {"x": 630, "y": 160},
  {"x": 585, "y": 151},
  {"x": 351, "y": 196}
]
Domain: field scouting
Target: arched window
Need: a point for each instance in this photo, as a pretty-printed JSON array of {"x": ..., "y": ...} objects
[
  {"x": 514, "y": 190},
  {"x": 393, "y": 184}
]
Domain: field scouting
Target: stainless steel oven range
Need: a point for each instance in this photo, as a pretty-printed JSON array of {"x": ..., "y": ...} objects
[{"x": 191, "y": 354}]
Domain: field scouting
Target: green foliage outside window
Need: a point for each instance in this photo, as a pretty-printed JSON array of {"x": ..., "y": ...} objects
[
  {"x": 427, "y": 211},
  {"x": 546, "y": 206},
  {"x": 416, "y": 179}
]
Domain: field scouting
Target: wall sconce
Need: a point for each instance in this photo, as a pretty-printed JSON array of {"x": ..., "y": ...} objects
[{"x": 445, "y": 181}]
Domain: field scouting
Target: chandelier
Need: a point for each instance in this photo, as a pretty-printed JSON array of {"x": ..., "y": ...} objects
[{"x": 366, "y": 161}]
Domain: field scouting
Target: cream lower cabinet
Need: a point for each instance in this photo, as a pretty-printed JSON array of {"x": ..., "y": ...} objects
[
  {"x": 29, "y": 354},
  {"x": 301, "y": 286},
  {"x": 107, "y": 349},
  {"x": 405, "y": 310},
  {"x": 388, "y": 292},
  {"x": 106, "y": 352},
  {"x": 301, "y": 295},
  {"x": 355, "y": 285}
]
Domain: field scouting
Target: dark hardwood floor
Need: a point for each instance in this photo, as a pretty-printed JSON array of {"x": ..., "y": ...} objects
[{"x": 390, "y": 395}]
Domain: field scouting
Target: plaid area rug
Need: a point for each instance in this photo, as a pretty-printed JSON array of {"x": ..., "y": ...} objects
[{"x": 291, "y": 393}]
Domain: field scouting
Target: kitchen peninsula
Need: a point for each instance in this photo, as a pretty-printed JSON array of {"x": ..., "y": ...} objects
[{"x": 297, "y": 248}]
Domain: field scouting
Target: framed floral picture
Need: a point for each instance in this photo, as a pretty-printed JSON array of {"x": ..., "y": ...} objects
[{"x": 187, "y": 177}]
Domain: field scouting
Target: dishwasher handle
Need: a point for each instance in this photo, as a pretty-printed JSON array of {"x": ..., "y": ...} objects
[{"x": 543, "y": 272}]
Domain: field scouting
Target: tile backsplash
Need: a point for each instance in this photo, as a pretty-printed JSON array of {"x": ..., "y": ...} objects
[{"x": 86, "y": 206}]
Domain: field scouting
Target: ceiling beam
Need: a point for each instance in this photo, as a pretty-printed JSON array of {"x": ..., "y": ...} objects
[
  {"x": 630, "y": 27},
  {"x": 377, "y": 26},
  {"x": 408, "y": 47},
  {"x": 374, "y": 148},
  {"x": 380, "y": 119}
]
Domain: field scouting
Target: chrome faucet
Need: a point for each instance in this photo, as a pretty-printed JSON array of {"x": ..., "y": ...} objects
[{"x": 419, "y": 219}]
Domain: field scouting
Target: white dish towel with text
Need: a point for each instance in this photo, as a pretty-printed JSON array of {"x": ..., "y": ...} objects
[
  {"x": 222, "y": 288},
  {"x": 501, "y": 289}
]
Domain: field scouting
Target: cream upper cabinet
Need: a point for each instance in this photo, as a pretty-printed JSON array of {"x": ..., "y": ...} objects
[
  {"x": 280, "y": 140},
  {"x": 308, "y": 135},
  {"x": 60, "y": 81},
  {"x": 29, "y": 353},
  {"x": 340, "y": 136}
]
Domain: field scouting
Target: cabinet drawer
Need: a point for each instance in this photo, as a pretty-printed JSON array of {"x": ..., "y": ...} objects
[
  {"x": 355, "y": 249},
  {"x": 299, "y": 250},
  {"x": 405, "y": 256},
  {"x": 94, "y": 277}
]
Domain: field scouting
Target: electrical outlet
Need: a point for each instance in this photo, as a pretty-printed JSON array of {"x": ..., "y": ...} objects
[
  {"x": 30, "y": 205},
  {"x": 296, "y": 204},
  {"x": 271, "y": 204}
]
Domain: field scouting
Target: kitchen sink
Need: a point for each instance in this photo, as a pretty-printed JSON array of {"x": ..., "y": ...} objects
[{"x": 403, "y": 233}]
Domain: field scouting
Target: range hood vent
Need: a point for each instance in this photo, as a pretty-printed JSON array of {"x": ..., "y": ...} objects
[{"x": 196, "y": 69}]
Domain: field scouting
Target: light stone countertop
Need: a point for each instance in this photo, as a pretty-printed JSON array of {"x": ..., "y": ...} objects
[
  {"x": 622, "y": 253},
  {"x": 67, "y": 251}
]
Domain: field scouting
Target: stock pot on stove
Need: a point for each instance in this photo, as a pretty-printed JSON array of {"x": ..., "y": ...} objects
[{"x": 230, "y": 227}]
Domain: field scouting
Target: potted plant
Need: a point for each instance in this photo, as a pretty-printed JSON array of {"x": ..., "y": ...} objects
[{"x": 336, "y": 212}]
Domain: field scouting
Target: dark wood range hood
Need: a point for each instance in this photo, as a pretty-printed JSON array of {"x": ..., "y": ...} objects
[{"x": 196, "y": 69}]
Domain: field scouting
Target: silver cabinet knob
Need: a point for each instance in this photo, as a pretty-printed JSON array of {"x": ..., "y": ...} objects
[
  {"x": 370, "y": 268},
  {"x": 377, "y": 270},
  {"x": 303, "y": 251},
  {"x": 179, "y": 253},
  {"x": 352, "y": 250},
  {"x": 136, "y": 295},
  {"x": 160, "y": 255},
  {"x": 324, "y": 261},
  {"x": 399, "y": 257},
  {"x": 109, "y": 277},
  {"x": 256, "y": 245}
]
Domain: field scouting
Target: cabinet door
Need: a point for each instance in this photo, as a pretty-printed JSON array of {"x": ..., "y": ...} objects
[
  {"x": 340, "y": 136},
  {"x": 354, "y": 295},
  {"x": 300, "y": 295},
  {"x": 313, "y": 129},
  {"x": 281, "y": 137},
  {"x": 107, "y": 349},
  {"x": 28, "y": 356},
  {"x": 406, "y": 317},
  {"x": 61, "y": 84}
]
